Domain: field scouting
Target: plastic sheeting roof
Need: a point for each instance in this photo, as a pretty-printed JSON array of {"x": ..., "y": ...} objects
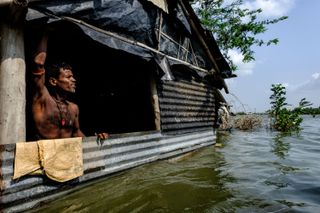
[{"x": 137, "y": 27}]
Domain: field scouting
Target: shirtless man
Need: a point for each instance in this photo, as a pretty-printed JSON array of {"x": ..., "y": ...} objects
[{"x": 54, "y": 116}]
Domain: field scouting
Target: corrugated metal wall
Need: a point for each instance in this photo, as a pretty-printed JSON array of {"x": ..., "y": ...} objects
[
  {"x": 116, "y": 154},
  {"x": 186, "y": 106}
]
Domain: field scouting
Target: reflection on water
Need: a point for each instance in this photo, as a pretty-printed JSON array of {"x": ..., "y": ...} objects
[
  {"x": 279, "y": 147},
  {"x": 256, "y": 171}
]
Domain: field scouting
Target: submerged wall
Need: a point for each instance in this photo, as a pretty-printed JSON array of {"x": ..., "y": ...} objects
[{"x": 118, "y": 153}]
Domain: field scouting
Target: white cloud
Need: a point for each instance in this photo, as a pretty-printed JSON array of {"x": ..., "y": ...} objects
[
  {"x": 243, "y": 68},
  {"x": 271, "y": 8},
  {"x": 308, "y": 89},
  {"x": 311, "y": 85},
  {"x": 316, "y": 75}
]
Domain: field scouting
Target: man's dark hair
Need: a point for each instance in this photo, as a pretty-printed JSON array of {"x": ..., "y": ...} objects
[{"x": 54, "y": 70}]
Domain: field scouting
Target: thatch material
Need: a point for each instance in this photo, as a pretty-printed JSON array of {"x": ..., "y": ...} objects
[{"x": 247, "y": 122}]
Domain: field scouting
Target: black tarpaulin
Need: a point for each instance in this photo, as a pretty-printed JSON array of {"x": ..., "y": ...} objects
[
  {"x": 132, "y": 26},
  {"x": 128, "y": 18}
]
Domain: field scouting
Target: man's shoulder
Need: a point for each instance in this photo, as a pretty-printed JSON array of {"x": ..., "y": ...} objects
[
  {"x": 72, "y": 105},
  {"x": 42, "y": 98}
]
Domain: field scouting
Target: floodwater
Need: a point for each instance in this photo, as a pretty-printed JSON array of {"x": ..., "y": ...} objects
[{"x": 254, "y": 171}]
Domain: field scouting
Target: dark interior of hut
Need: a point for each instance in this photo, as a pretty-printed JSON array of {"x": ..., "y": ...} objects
[{"x": 113, "y": 87}]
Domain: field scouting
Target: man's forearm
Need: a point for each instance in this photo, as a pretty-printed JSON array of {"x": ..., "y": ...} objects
[{"x": 41, "y": 54}]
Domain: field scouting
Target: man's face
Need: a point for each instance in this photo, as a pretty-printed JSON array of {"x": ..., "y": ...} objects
[{"x": 66, "y": 81}]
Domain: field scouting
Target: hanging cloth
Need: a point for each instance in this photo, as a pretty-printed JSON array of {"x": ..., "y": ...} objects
[{"x": 59, "y": 159}]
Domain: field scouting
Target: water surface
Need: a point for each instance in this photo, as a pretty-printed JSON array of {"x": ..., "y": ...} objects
[{"x": 254, "y": 171}]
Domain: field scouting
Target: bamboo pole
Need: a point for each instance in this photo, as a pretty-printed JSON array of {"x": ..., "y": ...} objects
[
  {"x": 12, "y": 78},
  {"x": 194, "y": 27},
  {"x": 216, "y": 69},
  {"x": 130, "y": 41}
]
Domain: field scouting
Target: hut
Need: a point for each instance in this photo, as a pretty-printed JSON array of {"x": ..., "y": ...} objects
[{"x": 147, "y": 73}]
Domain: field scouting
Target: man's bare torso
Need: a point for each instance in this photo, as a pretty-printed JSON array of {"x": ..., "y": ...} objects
[{"x": 53, "y": 118}]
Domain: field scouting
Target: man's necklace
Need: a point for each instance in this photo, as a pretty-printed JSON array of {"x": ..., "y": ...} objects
[{"x": 64, "y": 114}]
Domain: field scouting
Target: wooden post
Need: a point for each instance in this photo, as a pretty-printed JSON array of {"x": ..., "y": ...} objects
[
  {"x": 155, "y": 102},
  {"x": 12, "y": 76}
]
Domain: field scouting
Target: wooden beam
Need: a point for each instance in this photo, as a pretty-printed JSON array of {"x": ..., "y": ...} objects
[
  {"x": 4, "y": 3},
  {"x": 155, "y": 102},
  {"x": 17, "y": 2}
]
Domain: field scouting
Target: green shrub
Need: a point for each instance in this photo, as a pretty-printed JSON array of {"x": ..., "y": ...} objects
[{"x": 282, "y": 118}]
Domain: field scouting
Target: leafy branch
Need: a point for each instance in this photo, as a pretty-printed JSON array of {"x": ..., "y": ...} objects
[{"x": 234, "y": 27}]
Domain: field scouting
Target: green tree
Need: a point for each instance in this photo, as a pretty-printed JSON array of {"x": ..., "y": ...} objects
[
  {"x": 311, "y": 111},
  {"x": 234, "y": 27},
  {"x": 283, "y": 118}
]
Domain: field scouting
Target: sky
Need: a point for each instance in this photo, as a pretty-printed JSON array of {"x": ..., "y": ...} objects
[{"x": 293, "y": 62}]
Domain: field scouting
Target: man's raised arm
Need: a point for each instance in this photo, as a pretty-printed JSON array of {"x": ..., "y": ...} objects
[{"x": 38, "y": 70}]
